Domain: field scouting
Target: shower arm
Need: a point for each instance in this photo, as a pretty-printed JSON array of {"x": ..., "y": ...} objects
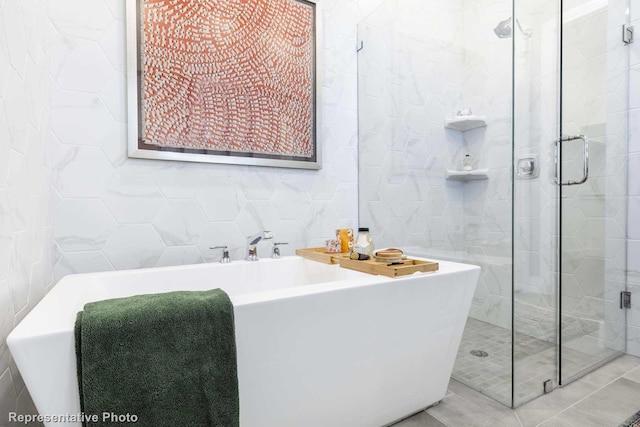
[{"x": 527, "y": 32}]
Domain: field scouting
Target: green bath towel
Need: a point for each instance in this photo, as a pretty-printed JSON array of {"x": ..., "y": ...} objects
[{"x": 167, "y": 359}]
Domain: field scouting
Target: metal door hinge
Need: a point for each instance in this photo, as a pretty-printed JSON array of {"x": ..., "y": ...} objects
[
  {"x": 625, "y": 299},
  {"x": 627, "y": 34}
]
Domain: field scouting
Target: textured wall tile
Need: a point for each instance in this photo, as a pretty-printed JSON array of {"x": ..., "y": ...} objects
[
  {"x": 7, "y": 316},
  {"x": 634, "y": 218},
  {"x": 117, "y": 8},
  {"x": 83, "y": 18},
  {"x": 634, "y": 131},
  {"x": 17, "y": 112},
  {"x": 113, "y": 42},
  {"x": 180, "y": 222},
  {"x": 134, "y": 246},
  {"x": 257, "y": 216},
  {"x": 634, "y": 174},
  {"x": 5, "y": 146},
  {"x": 222, "y": 234},
  {"x": 221, "y": 199},
  {"x": 180, "y": 255},
  {"x": 83, "y": 225},
  {"x": 81, "y": 262},
  {"x": 16, "y": 36},
  {"x": 80, "y": 118},
  {"x": 82, "y": 172},
  {"x": 9, "y": 401},
  {"x": 5, "y": 64},
  {"x": 291, "y": 201},
  {"x": 19, "y": 269},
  {"x": 114, "y": 96},
  {"x": 634, "y": 87},
  {"x": 81, "y": 65},
  {"x": 133, "y": 198},
  {"x": 26, "y": 195},
  {"x": 6, "y": 233},
  {"x": 633, "y": 257},
  {"x": 180, "y": 181}
]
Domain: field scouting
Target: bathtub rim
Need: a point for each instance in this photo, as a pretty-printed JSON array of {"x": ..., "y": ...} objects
[{"x": 38, "y": 322}]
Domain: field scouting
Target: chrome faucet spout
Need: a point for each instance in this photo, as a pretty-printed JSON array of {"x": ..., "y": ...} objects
[{"x": 252, "y": 244}]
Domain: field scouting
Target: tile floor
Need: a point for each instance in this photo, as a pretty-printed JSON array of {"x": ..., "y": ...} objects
[
  {"x": 535, "y": 361},
  {"x": 604, "y": 398}
]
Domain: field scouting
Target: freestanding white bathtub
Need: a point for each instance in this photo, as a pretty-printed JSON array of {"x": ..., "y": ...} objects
[{"x": 317, "y": 345}]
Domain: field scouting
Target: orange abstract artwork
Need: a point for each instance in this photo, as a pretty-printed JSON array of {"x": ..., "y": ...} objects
[{"x": 228, "y": 76}]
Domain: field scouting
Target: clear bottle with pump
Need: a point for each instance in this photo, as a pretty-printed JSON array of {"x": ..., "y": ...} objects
[
  {"x": 467, "y": 163},
  {"x": 363, "y": 244}
]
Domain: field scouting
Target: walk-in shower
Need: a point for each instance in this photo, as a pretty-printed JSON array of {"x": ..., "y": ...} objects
[{"x": 548, "y": 102}]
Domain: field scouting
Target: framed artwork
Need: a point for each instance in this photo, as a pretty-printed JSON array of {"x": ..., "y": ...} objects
[{"x": 224, "y": 81}]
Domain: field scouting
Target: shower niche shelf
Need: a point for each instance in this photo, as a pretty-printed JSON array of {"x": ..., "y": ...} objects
[
  {"x": 472, "y": 175},
  {"x": 465, "y": 123}
]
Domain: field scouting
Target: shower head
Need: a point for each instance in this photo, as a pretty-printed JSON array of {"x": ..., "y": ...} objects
[{"x": 503, "y": 30}]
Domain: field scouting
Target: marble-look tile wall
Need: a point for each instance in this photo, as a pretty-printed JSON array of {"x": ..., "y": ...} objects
[
  {"x": 421, "y": 63},
  {"x": 633, "y": 233},
  {"x": 487, "y": 204},
  {"x": 410, "y": 77},
  {"x": 26, "y": 203},
  {"x": 535, "y": 200},
  {"x": 117, "y": 213},
  {"x": 593, "y": 219},
  {"x": 612, "y": 174}
]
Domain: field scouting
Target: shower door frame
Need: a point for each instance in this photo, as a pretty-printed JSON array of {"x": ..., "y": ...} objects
[{"x": 561, "y": 184}]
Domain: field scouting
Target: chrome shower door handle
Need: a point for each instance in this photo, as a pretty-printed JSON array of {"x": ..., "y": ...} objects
[{"x": 585, "y": 171}]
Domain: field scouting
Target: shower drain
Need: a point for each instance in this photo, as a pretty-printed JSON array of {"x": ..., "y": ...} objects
[{"x": 479, "y": 353}]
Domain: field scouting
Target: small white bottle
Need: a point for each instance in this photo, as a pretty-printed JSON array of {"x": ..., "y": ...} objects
[
  {"x": 363, "y": 244},
  {"x": 467, "y": 163}
]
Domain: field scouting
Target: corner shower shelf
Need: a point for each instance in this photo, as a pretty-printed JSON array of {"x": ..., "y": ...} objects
[
  {"x": 472, "y": 175},
  {"x": 465, "y": 123}
]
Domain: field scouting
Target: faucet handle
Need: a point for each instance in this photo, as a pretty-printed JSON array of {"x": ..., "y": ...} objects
[
  {"x": 226, "y": 259},
  {"x": 276, "y": 249}
]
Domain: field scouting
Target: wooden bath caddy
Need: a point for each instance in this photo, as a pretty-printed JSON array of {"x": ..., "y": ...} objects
[
  {"x": 401, "y": 268},
  {"x": 319, "y": 255}
]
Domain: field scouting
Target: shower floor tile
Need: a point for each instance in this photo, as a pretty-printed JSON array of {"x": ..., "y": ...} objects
[{"x": 535, "y": 362}]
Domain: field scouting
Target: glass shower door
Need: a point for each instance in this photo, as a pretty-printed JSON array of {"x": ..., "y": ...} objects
[{"x": 590, "y": 173}]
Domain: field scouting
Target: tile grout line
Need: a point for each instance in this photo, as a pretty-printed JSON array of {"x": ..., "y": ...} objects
[
  {"x": 587, "y": 396},
  {"x": 432, "y": 415},
  {"x": 472, "y": 403}
]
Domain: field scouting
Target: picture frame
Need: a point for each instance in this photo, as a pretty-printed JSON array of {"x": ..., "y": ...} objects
[{"x": 225, "y": 86}]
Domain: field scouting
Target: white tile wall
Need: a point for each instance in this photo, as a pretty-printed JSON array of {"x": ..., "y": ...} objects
[
  {"x": 26, "y": 241},
  {"x": 633, "y": 218},
  {"x": 62, "y": 122},
  {"x": 421, "y": 63},
  {"x": 411, "y": 71},
  {"x": 119, "y": 213}
]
